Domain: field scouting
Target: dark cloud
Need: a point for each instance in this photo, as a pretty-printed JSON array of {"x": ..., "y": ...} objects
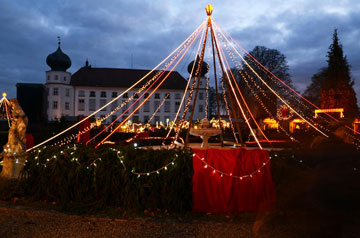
[{"x": 110, "y": 33}]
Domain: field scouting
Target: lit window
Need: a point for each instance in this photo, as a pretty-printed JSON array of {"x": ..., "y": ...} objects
[
  {"x": 81, "y": 106},
  {"x": 55, "y": 91},
  {"x": 81, "y": 93},
  {"x": 103, "y": 94},
  {"x": 55, "y": 105},
  {"x": 67, "y": 106},
  {"x": 92, "y": 94},
  {"x": 92, "y": 104}
]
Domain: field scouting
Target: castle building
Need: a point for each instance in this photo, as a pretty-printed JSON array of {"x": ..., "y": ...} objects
[{"x": 90, "y": 88}]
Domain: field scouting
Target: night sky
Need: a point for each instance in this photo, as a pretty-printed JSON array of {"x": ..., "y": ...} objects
[{"x": 110, "y": 33}]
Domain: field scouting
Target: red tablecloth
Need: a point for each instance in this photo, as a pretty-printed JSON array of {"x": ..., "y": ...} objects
[{"x": 216, "y": 194}]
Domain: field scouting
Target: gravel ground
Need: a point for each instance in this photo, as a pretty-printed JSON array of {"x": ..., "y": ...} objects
[{"x": 23, "y": 222}]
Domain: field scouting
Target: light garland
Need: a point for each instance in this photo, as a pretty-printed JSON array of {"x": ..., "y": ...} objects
[{"x": 222, "y": 174}]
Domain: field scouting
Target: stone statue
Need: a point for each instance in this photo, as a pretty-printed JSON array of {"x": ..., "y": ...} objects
[{"x": 14, "y": 150}]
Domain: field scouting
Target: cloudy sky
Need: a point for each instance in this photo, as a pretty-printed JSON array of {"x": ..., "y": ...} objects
[{"x": 111, "y": 32}]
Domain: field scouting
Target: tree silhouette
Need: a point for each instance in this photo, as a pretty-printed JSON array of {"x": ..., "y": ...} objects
[{"x": 337, "y": 86}]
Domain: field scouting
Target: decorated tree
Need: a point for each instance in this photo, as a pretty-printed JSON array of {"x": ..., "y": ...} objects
[{"x": 337, "y": 86}]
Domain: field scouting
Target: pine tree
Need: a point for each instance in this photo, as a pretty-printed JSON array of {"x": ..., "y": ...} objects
[{"x": 337, "y": 87}]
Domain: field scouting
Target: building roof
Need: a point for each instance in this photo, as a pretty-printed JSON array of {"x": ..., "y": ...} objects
[{"x": 122, "y": 78}]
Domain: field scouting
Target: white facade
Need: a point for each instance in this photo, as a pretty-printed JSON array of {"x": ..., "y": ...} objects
[{"x": 67, "y": 100}]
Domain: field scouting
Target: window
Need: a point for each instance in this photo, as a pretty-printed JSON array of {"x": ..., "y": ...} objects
[
  {"x": 81, "y": 93},
  {"x": 201, "y": 96},
  {"x": 167, "y": 106},
  {"x": 201, "y": 83},
  {"x": 48, "y": 77},
  {"x": 114, "y": 105},
  {"x": 146, "y": 95},
  {"x": 177, "y": 105},
  {"x": 135, "y": 119},
  {"x": 92, "y": 104},
  {"x": 167, "y": 96},
  {"x": 55, "y": 91},
  {"x": 103, "y": 94},
  {"x": 157, "y": 95},
  {"x": 113, "y": 118},
  {"x": 177, "y": 96},
  {"x": 190, "y": 108},
  {"x": 55, "y": 105},
  {"x": 147, "y": 106},
  {"x": 67, "y": 106},
  {"x": 156, "y": 105},
  {"x": 64, "y": 78},
  {"x": 136, "y": 95},
  {"x": 114, "y": 94},
  {"x": 146, "y": 119},
  {"x": 56, "y": 77},
  {"x": 157, "y": 119},
  {"x": 201, "y": 108},
  {"x": 125, "y": 95},
  {"x": 67, "y": 92},
  {"x": 92, "y": 94},
  {"x": 81, "y": 105},
  {"x": 102, "y": 103}
]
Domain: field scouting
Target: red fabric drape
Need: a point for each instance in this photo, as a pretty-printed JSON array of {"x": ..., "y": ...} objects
[
  {"x": 216, "y": 194},
  {"x": 29, "y": 141},
  {"x": 84, "y": 137}
]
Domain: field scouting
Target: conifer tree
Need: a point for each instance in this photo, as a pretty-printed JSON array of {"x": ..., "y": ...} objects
[{"x": 337, "y": 86}]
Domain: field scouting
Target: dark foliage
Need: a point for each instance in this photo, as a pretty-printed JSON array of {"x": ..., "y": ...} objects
[{"x": 97, "y": 178}]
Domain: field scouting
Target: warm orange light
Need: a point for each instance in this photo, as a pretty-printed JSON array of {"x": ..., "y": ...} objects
[
  {"x": 4, "y": 95},
  {"x": 209, "y": 9},
  {"x": 341, "y": 110}
]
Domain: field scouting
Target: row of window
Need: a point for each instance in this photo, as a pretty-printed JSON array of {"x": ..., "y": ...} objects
[
  {"x": 56, "y": 77},
  {"x": 103, "y": 94},
  {"x": 55, "y": 105},
  {"x": 56, "y": 92}
]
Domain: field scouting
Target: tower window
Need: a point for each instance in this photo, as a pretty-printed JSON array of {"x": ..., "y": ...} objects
[
  {"x": 56, "y": 91},
  {"x": 55, "y": 105}
]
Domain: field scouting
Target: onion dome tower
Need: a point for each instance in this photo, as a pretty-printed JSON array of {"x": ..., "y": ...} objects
[
  {"x": 58, "y": 61},
  {"x": 60, "y": 92},
  {"x": 204, "y": 69}
]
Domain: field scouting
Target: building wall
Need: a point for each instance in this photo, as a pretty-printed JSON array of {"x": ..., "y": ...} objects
[{"x": 67, "y": 100}]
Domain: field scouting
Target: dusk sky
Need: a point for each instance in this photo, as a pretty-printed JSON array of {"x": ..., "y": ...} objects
[{"x": 109, "y": 32}]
